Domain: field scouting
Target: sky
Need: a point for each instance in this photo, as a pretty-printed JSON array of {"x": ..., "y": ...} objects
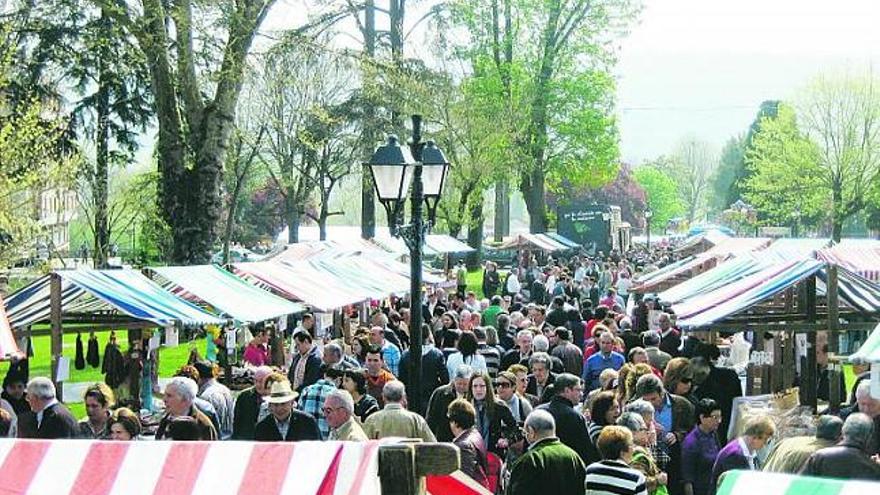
[{"x": 701, "y": 68}]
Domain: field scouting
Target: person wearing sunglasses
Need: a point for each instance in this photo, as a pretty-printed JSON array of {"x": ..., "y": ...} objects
[
  {"x": 505, "y": 389},
  {"x": 678, "y": 378}
]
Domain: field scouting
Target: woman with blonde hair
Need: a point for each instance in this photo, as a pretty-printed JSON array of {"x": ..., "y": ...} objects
[{"x": 638, "y": 370}]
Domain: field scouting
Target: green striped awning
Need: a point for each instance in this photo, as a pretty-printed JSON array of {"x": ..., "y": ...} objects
[{"x": 756, "y": 482}]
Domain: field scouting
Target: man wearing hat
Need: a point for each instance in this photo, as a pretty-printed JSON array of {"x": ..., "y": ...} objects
[{"x": 284, "y": 423}]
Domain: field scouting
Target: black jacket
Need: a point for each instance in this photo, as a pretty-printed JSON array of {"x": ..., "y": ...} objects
[
  {"x": 844, "y": 461},
  {"x": 303, "y": 426},
  {"x": 57, "y": 423},
  {"x": 434, "y": 375},
  {"x": 247, "y": 409},
  {"x": 722, "y": 385},
  {"x": 532, "y": 385},
  {"x": 313, "y": 368},
  {"x": 501, "y": 425},
  {"x": 436, "y": 417},
  {"x": 571, "y": 426}
]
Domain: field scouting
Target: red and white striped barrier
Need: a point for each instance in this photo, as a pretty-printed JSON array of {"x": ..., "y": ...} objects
[{"x": 43, "y": 467}]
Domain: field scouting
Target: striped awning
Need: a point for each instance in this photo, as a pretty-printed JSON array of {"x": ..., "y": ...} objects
[
  {"x": 539, "y": 242},
  {"x": 122, "y": 291},
  {"x": 83, "y": 467},
  {"x": 758, "y": 482},
  {"x": 225, "y": 292},
  {"x": 856, "y": 255}
]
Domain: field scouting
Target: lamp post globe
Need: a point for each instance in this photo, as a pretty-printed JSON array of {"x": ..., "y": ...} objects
[{"x": 422, "y": 168}]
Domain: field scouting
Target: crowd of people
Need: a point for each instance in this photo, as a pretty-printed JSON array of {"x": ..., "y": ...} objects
[{"x": 546, "y": 383}]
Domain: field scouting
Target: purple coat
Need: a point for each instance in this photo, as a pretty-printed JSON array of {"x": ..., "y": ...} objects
[{"x": 729, "y": 458}]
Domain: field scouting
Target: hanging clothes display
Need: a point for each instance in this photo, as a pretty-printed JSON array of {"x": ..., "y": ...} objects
[
  {"x": 79, "y": 361},
  {"x": 93, "y": 356},
  {"x": 113, "y": 368}
]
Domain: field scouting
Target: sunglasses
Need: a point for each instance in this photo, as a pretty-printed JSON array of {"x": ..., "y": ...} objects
[
  {"x": 686, "y": 380},
  {"x": 502, "y": 384}
]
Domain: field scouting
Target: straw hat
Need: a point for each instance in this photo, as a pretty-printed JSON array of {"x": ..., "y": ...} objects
[{"x": 281, "y": 393}]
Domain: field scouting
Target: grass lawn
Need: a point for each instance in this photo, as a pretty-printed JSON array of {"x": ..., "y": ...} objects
[
  {"x": 170, "y": 359},
  {"x": 475, "y": 282}
]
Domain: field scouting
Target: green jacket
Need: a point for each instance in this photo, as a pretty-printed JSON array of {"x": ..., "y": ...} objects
[{"x": 547, "y": 467}]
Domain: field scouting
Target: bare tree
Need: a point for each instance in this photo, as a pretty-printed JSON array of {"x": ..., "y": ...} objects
[
  {"x": 691, "y": 166},
  {"x": 306, "y": 146},
  {"x": 842, "y": 116}
]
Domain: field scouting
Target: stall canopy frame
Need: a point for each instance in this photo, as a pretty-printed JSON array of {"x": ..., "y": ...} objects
[{"x": 225, "y": 292}]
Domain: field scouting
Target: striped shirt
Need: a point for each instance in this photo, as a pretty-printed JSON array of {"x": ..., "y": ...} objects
[
  {"x": 492, "y": 356},
  {"x": 614, "y": 478}
]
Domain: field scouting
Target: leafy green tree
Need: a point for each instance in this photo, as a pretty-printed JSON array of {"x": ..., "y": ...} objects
[
  {"x": 549, "y": 61},
  {"x": 731, "y": 162},
  {"x": 661, "y": 193},
  {"x": 740, "y": 171},
  {"x": 785, "y": 174}
]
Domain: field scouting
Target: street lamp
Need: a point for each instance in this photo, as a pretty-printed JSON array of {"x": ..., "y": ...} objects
[
  {"x": 395, "y": 168},
  {"x": 648, "y": 215}
]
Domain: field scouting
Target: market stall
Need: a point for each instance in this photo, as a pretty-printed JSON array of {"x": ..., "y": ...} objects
[
  {"x": 91, "y": 467},
  {"x": 674, "y": 275},
  {"x": 545, "y": 243},
  {"x": 752, "y": 482},
  {"x": 100, "y": 300},
  {"x": 786, "y": 304}
]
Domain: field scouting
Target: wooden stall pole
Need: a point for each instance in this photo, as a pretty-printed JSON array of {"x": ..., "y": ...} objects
[
  {"x": 56, "y": 347},
  {"x": 834, "y": 368},
  {"x": 403, "y": 466},
  {"x": 808, "y": 371}
]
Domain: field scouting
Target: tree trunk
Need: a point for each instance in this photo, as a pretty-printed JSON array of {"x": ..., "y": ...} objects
[
  {"x": 101, "y": 179},
  {"x": 502, "y": 210},
  {"x": 190, "y": 185},
  {"x": 475, "y": 232},
  {"x": 533, "y": 193},
  {"x": 836, "y": 210},
  {"x": 368, "y": 202}
]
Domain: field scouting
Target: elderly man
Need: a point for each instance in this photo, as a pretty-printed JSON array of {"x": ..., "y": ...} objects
[
  {"x": 548, "y": 465},
  {"x": 394, "y": 420},
  {"x": 869, "y": 405},
  {"x": 48, "y": 418},
  {"x": 247, "y": 406},
  {"x": 180, "y": 393},
  {"x": 390, "y": 352},
  {"x": 305, "y": 367},
  {"x": 522, "y": 352},
  {"x": 98, "y": 399},
  {"x": 850, "y": 459},
  {"x": 602, "y": 360},
  {"x": 541, "y": 376},
  {"x": 442, "y": 397},
  {"x": 791, "y": 454},
  {"x": 339, "y": 411},
  {"x": 657, "y": 358},
  {"x": 332, "y": 355},
  {"x": 284, "y": 423},
  {"x": 311, "y": 401},
  {"x": 218, "y": 395},
  {"x": 571, "y": 426}
]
